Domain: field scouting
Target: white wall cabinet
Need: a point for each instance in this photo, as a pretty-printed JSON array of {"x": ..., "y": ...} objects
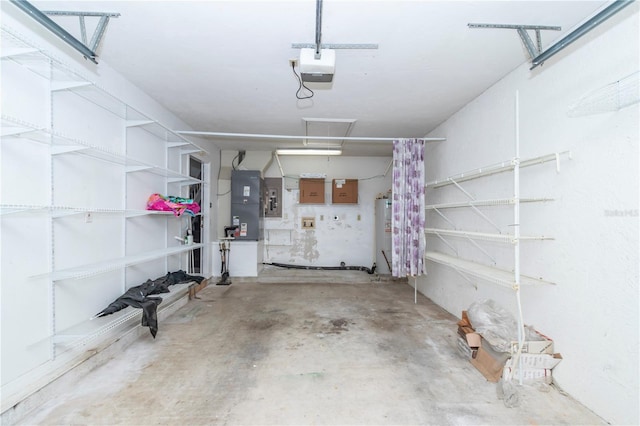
[{"x": 78, "y": 166}]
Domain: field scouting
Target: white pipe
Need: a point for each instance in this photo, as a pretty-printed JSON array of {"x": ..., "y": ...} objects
[
  {"x": 264, "y": 136},
  {"x": 388, "y": 168},
  {"x": 279, "y": 164}
]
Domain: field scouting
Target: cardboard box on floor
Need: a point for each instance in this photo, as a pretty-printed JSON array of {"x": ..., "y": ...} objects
[
  {"x": 534, "y": 367},
  {"x": 488, "y": 361},
  {"x": 468, "y": 333},
  {"x": 464, "y": 320},
  {"x": 544, "y": 346},
  {"x": 536, "y": 360}
]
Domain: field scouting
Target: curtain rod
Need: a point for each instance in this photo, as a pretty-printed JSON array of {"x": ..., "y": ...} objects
[{"x": 262, "y": 136}]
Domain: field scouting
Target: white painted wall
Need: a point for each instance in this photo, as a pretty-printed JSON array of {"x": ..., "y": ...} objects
[
  {"x": 26, "y": 169},
  {"x": 114, "y": 83},
  {"x": 351, "y": 238},
  {"x": 592, "y": 312}
]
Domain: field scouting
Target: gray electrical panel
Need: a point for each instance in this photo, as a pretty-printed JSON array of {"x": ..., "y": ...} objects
[
  {"x": 274, "y": 197},
  {"x": 247, "y": 204}
]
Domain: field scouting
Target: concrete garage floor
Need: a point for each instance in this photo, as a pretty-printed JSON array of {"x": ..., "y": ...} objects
[{"x": 264, "y": 353}]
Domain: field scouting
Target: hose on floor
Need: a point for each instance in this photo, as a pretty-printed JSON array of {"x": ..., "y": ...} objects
[{"x": 342, "y": 267}]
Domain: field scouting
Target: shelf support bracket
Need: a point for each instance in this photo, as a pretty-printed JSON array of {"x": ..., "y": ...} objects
[
  {"x": 475, "y": 209},
  {"x": 481, "y": 249},
  {"x": 446, "y": 219},
  {"x": 465, "y": 277},
  {"x": 448, "y": 244}
]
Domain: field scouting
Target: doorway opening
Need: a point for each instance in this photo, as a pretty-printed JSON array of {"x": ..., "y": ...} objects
[{"x": 196, "y": 225}]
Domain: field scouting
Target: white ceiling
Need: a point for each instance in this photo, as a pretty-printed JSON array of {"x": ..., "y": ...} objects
[{"x": 223, "y": 66}]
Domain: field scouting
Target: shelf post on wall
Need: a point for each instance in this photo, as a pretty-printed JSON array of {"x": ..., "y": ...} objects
[
  {"x": 51, "y": 288},
  {"x": 516, "y": 231}
]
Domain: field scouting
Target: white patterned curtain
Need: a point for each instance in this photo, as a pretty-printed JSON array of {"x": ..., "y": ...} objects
[{"x": 408, "y": 242}]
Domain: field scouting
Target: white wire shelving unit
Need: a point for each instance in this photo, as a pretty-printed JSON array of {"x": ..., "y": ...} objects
[
  {"x": 504, "y": 166},
  {"x": 485, "y": 203},
  {"x": 63, "y": 211},
  {"x": 96, "y": 327},
  {"x": 89, "y": 270},
  {"x": 511, "y": 278},
  {"x": 62, "y": 145},
  {"x": 484, "y": 236},
  {"x": 491, "y": 274},
  {"x": 470, "y": 268},
  {"x": 56, "y": 78}
]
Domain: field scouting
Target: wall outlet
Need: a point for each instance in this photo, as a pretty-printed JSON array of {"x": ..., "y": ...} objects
[
  {"x": 308, "y": 223},
  {"x": 88, "y": 217},
  {"x": 293, "y": 62}
]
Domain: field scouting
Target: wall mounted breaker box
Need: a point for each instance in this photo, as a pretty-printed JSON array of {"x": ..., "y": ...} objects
[
  {"x": 344, "y": 191},
  {"x": 311, "y": 191},
  {"x": 274, "y": 197}
]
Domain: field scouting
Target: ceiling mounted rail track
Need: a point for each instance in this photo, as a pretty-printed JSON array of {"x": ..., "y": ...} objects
[
  {"x": 534, "y": 49},
  {"x": 87, "y": 50},
  {"x": 537, "y": 55},
  {"x": 596, "y": 20},
  {"x": 98, "y": 32},
  {"x": 318, "y": 45}
]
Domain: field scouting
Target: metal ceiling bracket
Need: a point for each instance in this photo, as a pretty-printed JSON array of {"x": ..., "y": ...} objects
[
  {"x": 318, "y": 45},
  {"x": 88, "y": 51},
  {"x": 534, "y": 49},
  {"x": 538, "y": 56},
  {"x": 335, "y": 46},
  {"x": 596, "y": 20},
  {"x": 100, "y": 28}
]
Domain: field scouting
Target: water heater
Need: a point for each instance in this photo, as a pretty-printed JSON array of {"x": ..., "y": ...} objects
[{"x": 384, "y": 213}]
